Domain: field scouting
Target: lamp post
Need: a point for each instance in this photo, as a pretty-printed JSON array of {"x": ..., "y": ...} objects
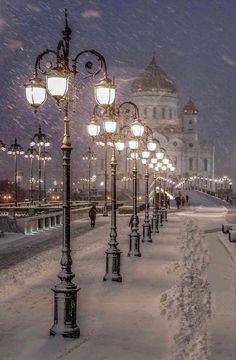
[
  {"x": 31, "y": 153},
  {"x": 2, "y": 146},
  {"x": 40, "y": 141},
  {"x": 45, "y": 156},
  {"x": 16, "y": 150},
  {"x": 137, "y": 131},
  {"x": 58, "y": 84},
  {"x": 110, "y": 125},
  {"x": 89, "y": 156}
]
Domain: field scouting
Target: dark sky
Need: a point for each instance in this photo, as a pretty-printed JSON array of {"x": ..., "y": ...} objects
[{"x": 194, "y": 43}]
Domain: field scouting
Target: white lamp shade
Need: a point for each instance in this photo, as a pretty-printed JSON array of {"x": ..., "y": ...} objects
[
  {"x": 93, "y": 128},
  {"x": 119, "y": 145},
  {"x": 163, "y": 168},
  {"x": 159, "y": 155},
  {"x": 57, "y": 84},
  {"x": 151, "y": 166},
  {"x": 109, "y": 125},
  {"x": 172, "y": 168},
  {"x": 105, "y": 92},
  {"x": 165, "y": 161},
  {"x": 145, "y": 154},
  {"x": 36, "y": 93},
  {"x": 144, "y": 161},
  {"x": 151, "y": 145},
  {"x": 153, "y": 160},
  {"x": 137, "y": 128},
  {"x": 169, "y": 165},
  {"x": 133, "y": 144}
]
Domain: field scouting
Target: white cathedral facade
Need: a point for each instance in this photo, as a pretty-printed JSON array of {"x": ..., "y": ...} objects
[{"x": 156, "y": 96}]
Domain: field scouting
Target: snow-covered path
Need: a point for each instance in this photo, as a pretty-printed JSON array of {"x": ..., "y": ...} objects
[{"x": 117, "y": 320}]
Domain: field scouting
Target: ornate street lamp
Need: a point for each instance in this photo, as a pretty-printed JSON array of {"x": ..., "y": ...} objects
[
  {"x": 89, "y": 156},
  {"x": 137, "y": 130},
  {"x": 59, "y": 77},
  {"x": 30, "y": 154},
  {"x": 16, "y": 150},
  {"x": 112, "y": 136},
  {"x": 40, "y": 141}
]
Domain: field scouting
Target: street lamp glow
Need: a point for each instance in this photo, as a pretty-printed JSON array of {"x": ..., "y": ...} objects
[
  {"x": 144, "y": 161},
  {"x": 36, "y": 93},
  {"x": 151, "y": 145},
  {"x": 165, "y": 161},
  {"x": 160, "y": 155},
  {"x": 151, "y": 166},
  {"x": 133, "y": 144},
  {"x": 137, "y": 128},
  {"x": 109, "y": 125},
  {"x": 119, "y": 145},
  {"x": 57, "y": 82},
  {"x": 145, "y": 154},
  {"x": 93, "y": 128},
  {"x": 163, "y": 168},
  {"x": 154, "y": 160},
  {"x": 105, "y": 92}
]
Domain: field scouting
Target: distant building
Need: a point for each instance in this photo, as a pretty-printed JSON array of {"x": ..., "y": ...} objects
[{"x": 156, "y": 97}]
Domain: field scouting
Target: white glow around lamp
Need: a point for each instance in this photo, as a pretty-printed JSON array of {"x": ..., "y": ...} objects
[
  {"x": 36, "y": 93},
  {"x": 57, "y": 82},
  {"x": 151, "y": 166},
  {"x": 105, "y": 92},
  {"x": 133, "y": 144},
  {"x": 151, "y": 145},
  {"x": 137, "y": 128},
  {"x": 154, "y": 160},
  {"x": 165, "y": 161},
  {"x": 163, "y": 168},
  {"x": 160, "y": 155},
  {"x": 119, "y": 145},
  {"x": 93, "y": 128},
  {"x": 109, "y": 125},
  {"x": 144, "y": 161},
  {"x": 145, "y": 154}
]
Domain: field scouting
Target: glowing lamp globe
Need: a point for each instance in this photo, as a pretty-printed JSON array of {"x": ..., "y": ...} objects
[
  {"x": 144, "y": 161},
  {"x": 151, "y": 145},
  {"x": 151, "y": 166},
  {"x": 145, "y": 154},
  {"x": 93, "y": 128},
  {"x": 160, "y": 155},
  {"x": 119, "y": 145},
  {"x": 133, "y": 144},
  {"x": 105, "y": 92},
  {"x": 137, "y": 128},
  {"x": 57, "y": 83},
  {"x": 165, "y": 161},
  {"x": 36, "y": 93},
  {"x": 163, "y": 168},
  {"x": 109, "y": 125},
  {"x": 154, "y": 160}
]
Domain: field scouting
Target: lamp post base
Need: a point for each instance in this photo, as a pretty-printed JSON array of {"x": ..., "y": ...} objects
[
  {"x": 65, "y": 308},
  {"x": 134, "y": 244},
  {"x": 147, "y": 232},
  {"x": 113, "y": 265}
]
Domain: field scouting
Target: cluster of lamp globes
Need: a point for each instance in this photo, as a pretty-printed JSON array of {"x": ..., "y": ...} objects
[
  {"x": 57, "y": 81},
  {"x": 57, "y": 84}
]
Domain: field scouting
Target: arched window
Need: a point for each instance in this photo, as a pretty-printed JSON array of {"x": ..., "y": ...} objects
[
  {"x": 154, "y": 113},
  {"x": 163, "y": 113}
]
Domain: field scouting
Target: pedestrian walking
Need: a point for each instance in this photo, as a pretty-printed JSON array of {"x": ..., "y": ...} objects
[
  {"x": 183, "y": 201},
  {"x": 178, "y": 201},
  {"x": 92, "y": 215},
  {"x": 187, "y": 198}
]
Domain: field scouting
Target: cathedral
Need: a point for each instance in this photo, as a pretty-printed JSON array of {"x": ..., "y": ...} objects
[{"x": 156, "y": 96}]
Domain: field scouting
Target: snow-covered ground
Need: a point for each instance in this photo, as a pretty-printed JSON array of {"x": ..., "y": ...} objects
[{"x": 175, "y": 302}]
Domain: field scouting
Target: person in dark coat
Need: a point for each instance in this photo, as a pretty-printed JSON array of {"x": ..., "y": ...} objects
[
  {"x": 187, "y": 198},
  {"x": 178, "y": 201},
  {"x": 92, "y": 215},
  {"x": 183, "y": 200}
]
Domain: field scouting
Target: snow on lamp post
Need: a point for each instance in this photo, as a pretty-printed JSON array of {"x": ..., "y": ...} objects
[{"x": 61, "y": 85}]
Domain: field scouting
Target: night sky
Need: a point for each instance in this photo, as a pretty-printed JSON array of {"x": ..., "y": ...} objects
[{"x": 194, "y": 42}]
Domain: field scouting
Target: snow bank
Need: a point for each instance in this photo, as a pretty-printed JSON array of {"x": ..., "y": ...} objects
[{"x": 188, "y": 304}]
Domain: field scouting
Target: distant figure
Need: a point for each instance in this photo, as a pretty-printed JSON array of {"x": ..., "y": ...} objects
[
  {"x": 187, "y": 198},
  {"x": 131, "y": 221},
  {"x": 92, "y": 215},
  {"x": 183, "y": 200},
  {"x": 178, "y": 201}
]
